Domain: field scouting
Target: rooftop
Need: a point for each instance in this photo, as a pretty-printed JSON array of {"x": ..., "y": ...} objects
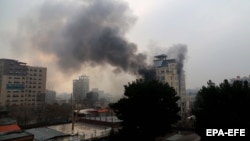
[
  {"x": 16, "y": 136},
  {"x": 162, "y": 56},
  {"x": 9, "y": 128},
  {"x": 44, "y": 133}
]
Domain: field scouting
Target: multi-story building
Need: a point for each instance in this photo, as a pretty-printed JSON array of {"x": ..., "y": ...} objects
[
  {"x": 167, "y": 72},
  {"x": 21, "y": 84},
  {"x": 80, "y": 87}
]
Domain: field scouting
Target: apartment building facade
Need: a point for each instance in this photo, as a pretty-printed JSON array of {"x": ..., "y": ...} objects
[{"x": 21, "y": 84}]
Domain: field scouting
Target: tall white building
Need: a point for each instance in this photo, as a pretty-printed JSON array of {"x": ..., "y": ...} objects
[
  {"x": 21, "y": 84},
  {"x": 167, "y": 72},
  {"x": 80, "y": 87}
]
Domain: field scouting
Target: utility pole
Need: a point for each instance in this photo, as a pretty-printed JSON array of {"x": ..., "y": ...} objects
[{"x": 73, "y": 117}]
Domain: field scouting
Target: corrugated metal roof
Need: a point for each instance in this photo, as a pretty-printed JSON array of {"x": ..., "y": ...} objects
[{"x": 43, "y": 134}]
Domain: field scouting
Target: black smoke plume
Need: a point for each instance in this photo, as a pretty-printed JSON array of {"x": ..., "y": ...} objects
[
  {"x": 91, "y": 32},
  {"x": 148, "y": 73},
  {"x": 178, "y": 52}
]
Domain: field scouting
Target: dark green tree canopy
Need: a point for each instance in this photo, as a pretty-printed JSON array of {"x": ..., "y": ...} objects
[
  {"x": 223, "y": 106},
  {"x": 147, "y": 110}
]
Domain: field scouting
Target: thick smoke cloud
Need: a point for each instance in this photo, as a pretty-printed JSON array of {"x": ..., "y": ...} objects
[
  {"x": 86, "y": 32},
  {"x": 92, "y": 33},
  {"x": 178, "y": 52}
]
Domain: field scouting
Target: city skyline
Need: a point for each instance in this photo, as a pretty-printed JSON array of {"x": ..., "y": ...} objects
[{"x": 215, "y": 34}]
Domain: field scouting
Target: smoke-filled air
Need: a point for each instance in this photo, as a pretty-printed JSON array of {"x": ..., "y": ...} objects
[{"x": 72, "y": 38}]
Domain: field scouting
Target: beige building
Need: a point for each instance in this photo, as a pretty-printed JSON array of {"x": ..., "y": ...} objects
[
  {"x": 166, "y": 72},
  {"x": 21, "y": 84}
]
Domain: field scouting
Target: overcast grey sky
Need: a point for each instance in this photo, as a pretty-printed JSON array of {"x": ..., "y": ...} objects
[{"x": 216, "y": 32}]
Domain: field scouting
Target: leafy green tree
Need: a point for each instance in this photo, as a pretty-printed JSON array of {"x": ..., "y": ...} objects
[
  {"x": 224, "y": 106},
  {"x": 148, "y": 110}
]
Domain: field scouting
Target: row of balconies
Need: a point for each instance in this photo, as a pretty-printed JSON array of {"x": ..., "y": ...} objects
[
  {"x": 18, "y": 100},
  {"x": 17, "y": 73},
  {"x": 16, "y": 104},
  {"x": 35, "y": 74},
  {"x": 32, "y": 78},
  {"x": 21, "y": 96},
  {"x": 33, "y": 86},
  {"x": 17, "y": 77},
  {"x": 35, "y": 70},
  {"x": 22, "y": 91},
  {"x": 23, "y": 82}
]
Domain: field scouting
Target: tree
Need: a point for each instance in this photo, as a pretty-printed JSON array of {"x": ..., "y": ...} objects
[
  {"x": 223, "y": 106},
  {"x": 147, "y": 110}
]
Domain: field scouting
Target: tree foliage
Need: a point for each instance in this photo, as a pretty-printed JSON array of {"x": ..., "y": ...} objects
[
  {"x": 147, "y": 110},
  {"x": 223, "y": 106}
]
